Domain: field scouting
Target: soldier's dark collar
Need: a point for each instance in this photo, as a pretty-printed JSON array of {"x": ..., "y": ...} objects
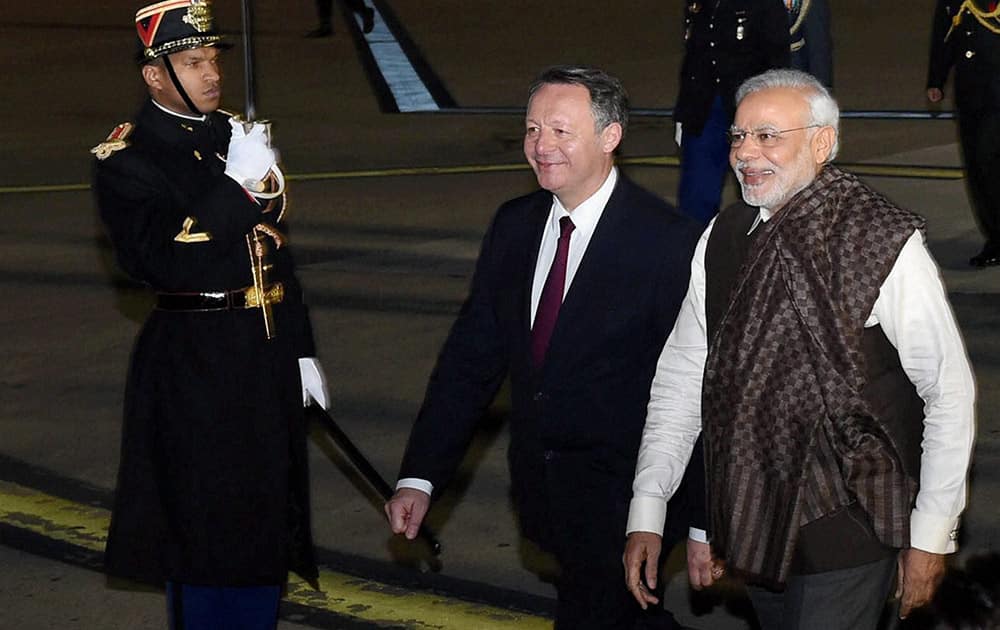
[{"x": 201, "y": 118}]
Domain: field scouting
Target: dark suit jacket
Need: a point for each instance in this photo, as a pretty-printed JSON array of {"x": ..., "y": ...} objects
[{"x": 576, "y": 423}]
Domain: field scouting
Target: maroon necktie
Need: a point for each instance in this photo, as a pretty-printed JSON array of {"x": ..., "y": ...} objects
[{"x": 552, "y": 296}]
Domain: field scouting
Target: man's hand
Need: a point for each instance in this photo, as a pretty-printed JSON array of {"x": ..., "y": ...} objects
[
  {"x": 920, "y": 573},
  {"x": 703, "y": 569},
  {"x": 249, "y": 157},
  {"x": 934, "y": 95},
  {"x": 406, "y": 511},
  {"x": 642, "y": 548}
]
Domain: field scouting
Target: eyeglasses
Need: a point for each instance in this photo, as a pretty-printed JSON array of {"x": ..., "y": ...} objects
[{"x": 766, "y": 138}]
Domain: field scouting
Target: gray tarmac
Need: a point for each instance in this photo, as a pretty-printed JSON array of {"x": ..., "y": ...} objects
[{"x": 385, "y": 258}]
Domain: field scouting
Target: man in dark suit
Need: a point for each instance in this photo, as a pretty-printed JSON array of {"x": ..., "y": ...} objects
[
  {"x": 610, "y": 259},
  {"x": 967, "y": 38}
]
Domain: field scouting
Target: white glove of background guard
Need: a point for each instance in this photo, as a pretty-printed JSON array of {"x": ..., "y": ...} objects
[
  {"x": 678, "y": 133},
  {"x": 250, "y": 155},
  {"x": 313, "y": 383}
]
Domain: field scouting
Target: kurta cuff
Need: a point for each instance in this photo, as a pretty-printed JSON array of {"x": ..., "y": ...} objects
[
  {"x": 698, "y": 535},
  {"x": 933, "y": 533},
  {"x": 646, "y": 514}
]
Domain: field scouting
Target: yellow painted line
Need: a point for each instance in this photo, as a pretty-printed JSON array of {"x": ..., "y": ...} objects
[
  {"x": 874, "y": 170},
  {"x": 896, "y": 170},
  {"x": 858, "y": 168},
  {"x": 15, "y": 190},
  {"x": 419, "y": 170},
  {"x": 81, "y": 525},
  {"x": 362, "y": 599},
  {"x": 651, "y": 160}
]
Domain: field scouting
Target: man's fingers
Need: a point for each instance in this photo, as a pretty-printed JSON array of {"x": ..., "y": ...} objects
[
  {"x": 416, "y": 518},
  {"x": 904, "y": 608},
  {"x": 406, "y": 510},
  {"x": 397, "y": 514},
  {"x": 900, "y": 575},
  {"x": 920, "y": 573},
  {"x": 652, "y": 567},
  {"x": 701, "y": 565},
  {"x": 641, "y": 548}
]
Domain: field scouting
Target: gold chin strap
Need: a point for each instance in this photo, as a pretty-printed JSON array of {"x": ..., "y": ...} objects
[{"x": 983, "y": 17}]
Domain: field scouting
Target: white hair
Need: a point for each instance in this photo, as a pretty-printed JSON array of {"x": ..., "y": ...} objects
[{"x": 823, "y": 108}]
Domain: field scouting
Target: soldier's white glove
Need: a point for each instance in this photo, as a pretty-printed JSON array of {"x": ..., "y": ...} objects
[
  {"x": 313, "y": 383},
  {"x": 250, "y": 155},
  {"x": 678, "y": 133}
]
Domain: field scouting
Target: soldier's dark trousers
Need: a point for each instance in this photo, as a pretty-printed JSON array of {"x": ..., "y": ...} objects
[
  {"x": 192, "y": 607},
  {"x": 704, "y": 164},
  {"x": 980, "y": 136}
]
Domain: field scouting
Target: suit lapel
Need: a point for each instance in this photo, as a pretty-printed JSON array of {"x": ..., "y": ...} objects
[{"x": 534, "y": 229}]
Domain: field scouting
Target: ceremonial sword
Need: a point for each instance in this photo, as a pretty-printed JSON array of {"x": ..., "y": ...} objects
[{"x": 258, "y": 248}]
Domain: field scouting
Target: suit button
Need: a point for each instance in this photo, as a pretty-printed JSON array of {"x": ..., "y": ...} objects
[
  {"x": 969, "y": 54},
  {"x": 548, "y": 455},
  {"x": 538, "y": 397},
  {"x": 712, "y": 44}
]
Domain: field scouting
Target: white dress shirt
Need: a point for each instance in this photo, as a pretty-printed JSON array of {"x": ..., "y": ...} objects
[
  {"x": 913, "y": 310},
  {"x": 585, "y": 217}
]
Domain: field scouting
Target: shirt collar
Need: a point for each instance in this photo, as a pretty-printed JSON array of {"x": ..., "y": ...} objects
[
  {"x": 586, "y": 215},
  {"x": 763, "y": 216}
]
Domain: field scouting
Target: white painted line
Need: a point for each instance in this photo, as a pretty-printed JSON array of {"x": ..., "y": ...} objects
[{"x": 407, "y": 88}]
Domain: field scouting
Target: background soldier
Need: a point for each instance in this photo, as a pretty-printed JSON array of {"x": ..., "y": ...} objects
[
  {"x": 212, "y": 493},
  {"x": 725, "y": 43},
  {"x": 812, "y": 42},
  {"x": 967, "y": 36}
]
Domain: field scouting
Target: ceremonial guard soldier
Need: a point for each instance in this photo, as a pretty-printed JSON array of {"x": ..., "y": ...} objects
[
  {"x": 812, "y": 42},
  {"x": 966, "y": 36},
  {"x": 726, "y": 42},
  {"x": 212, "y": 496}
]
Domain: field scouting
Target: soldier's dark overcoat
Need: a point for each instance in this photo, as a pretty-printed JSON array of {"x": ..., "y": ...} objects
[{"x": 212, "y": 485}]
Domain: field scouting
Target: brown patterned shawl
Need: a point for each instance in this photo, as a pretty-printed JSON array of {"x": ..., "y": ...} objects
[{"x": 785, "y": 364}]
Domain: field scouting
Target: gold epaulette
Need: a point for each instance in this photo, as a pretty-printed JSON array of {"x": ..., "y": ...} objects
[
  {"x": 990, "y": 20},
  {"x": 117, "y": 140}
]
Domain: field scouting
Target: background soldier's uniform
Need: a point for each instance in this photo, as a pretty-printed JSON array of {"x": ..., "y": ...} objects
[
  {"x": 812, "y": 42},
  {"x": 726, "y": 43},
  {"x": 974, "y": 51},
  {"x": 212, "y": 488}
]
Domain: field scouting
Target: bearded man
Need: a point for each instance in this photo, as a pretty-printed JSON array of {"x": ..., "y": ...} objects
[{"x": 817, "y": 351}]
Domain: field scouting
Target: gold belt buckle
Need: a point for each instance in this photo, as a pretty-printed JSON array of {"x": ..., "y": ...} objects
[{"x": 273, "y": 294}]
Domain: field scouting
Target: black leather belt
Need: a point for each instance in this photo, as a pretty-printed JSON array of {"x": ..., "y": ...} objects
[{"x": 216, "y": 300}]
